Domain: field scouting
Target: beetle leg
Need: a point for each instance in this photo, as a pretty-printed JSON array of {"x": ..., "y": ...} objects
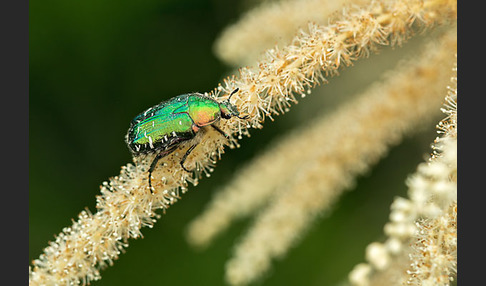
[
  {"x": 221, "y": 131},
  {"x": 154, "y": 164},
  {"x": 244, "y": 117},
  {"x": 152, "y": 167},
  {"x": 185, "y": 156}
]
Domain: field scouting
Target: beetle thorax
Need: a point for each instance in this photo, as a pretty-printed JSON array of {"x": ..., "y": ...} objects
[{"x": 203, "y": 111}]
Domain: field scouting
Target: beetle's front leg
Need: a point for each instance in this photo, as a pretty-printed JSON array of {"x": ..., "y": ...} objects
[{"x": 221, "y": 131}]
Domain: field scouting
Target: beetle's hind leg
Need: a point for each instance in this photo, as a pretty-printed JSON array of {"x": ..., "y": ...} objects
[
  {"x": 152, "y": 167},
  {"x": 185, "y": 157},
  {"x": 154, "y": 164}
]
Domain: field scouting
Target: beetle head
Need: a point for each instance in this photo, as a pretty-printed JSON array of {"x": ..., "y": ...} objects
[{"x": 229, "y": 110}]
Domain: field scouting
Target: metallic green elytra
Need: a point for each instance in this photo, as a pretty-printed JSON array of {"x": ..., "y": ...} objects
[{"x": 163, "y": 127}]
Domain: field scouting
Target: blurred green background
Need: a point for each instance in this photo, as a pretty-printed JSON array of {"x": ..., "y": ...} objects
[{"x": 94, "y": 65}]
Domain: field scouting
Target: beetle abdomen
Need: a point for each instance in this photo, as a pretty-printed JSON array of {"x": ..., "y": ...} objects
[
  {"x": 157, "y": 131},
  {"x": 161, "y": 126}
]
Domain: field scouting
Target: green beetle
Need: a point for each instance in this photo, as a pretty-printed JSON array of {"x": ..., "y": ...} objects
[{"x": 163, "y": 127}]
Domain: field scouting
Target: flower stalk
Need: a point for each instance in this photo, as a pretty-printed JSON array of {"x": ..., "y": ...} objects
[{"x": 125, "y": 205}]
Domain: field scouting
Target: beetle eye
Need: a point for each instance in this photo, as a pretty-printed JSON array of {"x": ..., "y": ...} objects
[
  {"x": 228, "y": 110},
  {"x": 226, "y": 113}
]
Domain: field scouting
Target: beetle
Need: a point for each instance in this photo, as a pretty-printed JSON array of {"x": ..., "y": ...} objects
[{"x": 163, "y": 127}]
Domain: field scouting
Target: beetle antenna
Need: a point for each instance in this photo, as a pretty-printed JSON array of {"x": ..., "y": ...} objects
[{"x": 233, "y": 92}]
